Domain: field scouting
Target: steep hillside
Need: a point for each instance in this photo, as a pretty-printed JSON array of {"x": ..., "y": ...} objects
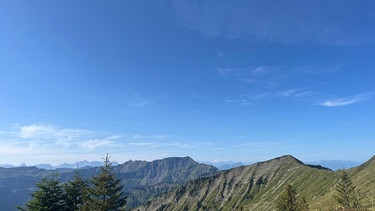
[
  {"x": 257, "y": 186},
  {"x": 253, "y": 187},
  {"x": 364, "y": 178}
]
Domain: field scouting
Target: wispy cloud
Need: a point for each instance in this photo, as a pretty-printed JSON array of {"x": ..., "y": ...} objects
[
  {"x": 294, "y": 93},
  {"x": 256, "y": 99},
  {"x": 247, "y": 100},
  {"x": 138, "y": 136},
  {"x": 270, "y": 82},
  {"x": 264, "y": 75},
  {"x": 163, "y": 144},
  {"x": 136, "y": 100},
  {"x": 318, "y": 69},
  {"x": 48, "y": 131},
  {"x": 277, "y": 74},
  {"x": 45, "y": 140},
  {"x": 96, "y": 143},
  {"x": 242, "y": 72},
  {"x": 348, "y": 100},
  {"x": 48, "y": 138},
  {"x": 281, "y": 22}
]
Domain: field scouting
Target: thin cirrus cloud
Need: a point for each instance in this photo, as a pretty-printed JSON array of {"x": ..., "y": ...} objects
[
  {"x": 138, "y": 136},
  {"x": 295, "y": 93},
  {"x": 246, "y": 74},
  {"x": 266, "y": 76},
  {"x": 45, "y": 141},
  {"x": 347, "y": 100},
  {"x": 256, "y": 99},
  {"x": 95, "y": 143},
  {"x": 247, "y": 100},
  {"x": 136, "y": 100},
  {"x": 269, "y": 82},
  {"x": 271, "y": 76},
  {"x": 44, "y": 137},
  {"x": 163, "y": 144},
  {"x": 48, "y": 131},
  {"x": 278, "y": 21}
]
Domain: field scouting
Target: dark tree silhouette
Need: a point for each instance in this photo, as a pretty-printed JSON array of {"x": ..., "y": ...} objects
[
  {"x": 288, "y": 201},
  {"x": 348, "y": 197},
  {"x": 48, "y": 196},
  {"x": 75, "y": 192},
  {"x": 105, "y": 192}
]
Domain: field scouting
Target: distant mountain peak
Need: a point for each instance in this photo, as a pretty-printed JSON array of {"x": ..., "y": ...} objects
[
  {"x": 76, "y": 165},
  {"x": 281, "y": 160},
  {"x": 288, "y": 157}
]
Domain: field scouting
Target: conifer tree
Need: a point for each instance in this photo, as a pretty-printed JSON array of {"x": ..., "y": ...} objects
[
  {"x": 102, "y": 193},
  {"x": 348, "y": 197},
  {"x": 49, "y": 196},
  {"x": 75, "y": 192},
  {"x": 288, "y": 201},
  {"x": 105, "y": 192},
  {"x": 303, "y": 205}
]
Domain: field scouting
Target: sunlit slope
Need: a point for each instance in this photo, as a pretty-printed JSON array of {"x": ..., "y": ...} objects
[{"x": 253, "y": 187}]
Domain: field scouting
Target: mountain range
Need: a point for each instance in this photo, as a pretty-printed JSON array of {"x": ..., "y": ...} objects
[
  {"x": 221, "y": 165},
  {"x": 184, "y": 184},
  {"x": 142, "y": 180},
  {"x": 76, "y": 165}
]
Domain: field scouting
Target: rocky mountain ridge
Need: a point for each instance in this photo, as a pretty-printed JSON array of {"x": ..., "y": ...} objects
[{"x": 255, "y": 187}]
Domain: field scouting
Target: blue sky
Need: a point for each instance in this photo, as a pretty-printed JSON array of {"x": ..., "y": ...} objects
[{"x": 214, "y": 80}]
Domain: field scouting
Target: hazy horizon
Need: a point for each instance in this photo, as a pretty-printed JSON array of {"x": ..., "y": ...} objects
[{"x": 325, "y": 163}]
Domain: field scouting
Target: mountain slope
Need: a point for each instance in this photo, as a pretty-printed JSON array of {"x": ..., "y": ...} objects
[
  {"x": 364, "y": 177},
  {"x": 144, "y": 180},
  {"x": 253, "y": 187}
]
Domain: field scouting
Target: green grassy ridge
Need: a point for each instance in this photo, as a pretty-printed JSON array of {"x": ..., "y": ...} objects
[
  {"x": 257, "y": 186},
  {"x": 364, "y": 178}
]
